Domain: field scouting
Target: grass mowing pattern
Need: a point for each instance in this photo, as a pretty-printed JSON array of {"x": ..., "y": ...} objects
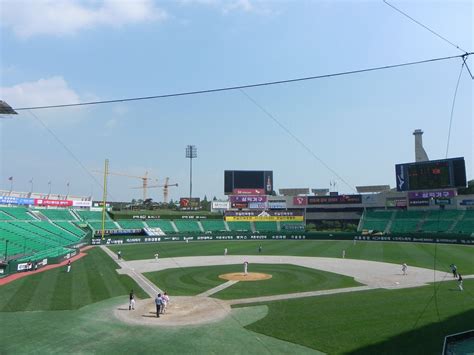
[
  {"x": 93, "y": 329},
  {"x": 286, "y": 279},
  {"x": 372, "y": 322},
  {"x": 421, "y": 255},
  {"x": 92, "y": 278}
]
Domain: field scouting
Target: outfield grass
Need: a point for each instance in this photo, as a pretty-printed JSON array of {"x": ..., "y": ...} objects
[
  {"x": 414, "y": 254},
  {"x": 92, "y": 278},
  {"x": 285, "y": 279},
  {"x": 373, "y": 322}
]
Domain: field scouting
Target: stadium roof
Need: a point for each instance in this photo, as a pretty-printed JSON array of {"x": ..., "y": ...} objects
[
  {"x": 320, "y": 192},
  {"x": 6, "y": 109},
  {"x": 372, "y": 188},
  {"x": 294, "y": 191}
]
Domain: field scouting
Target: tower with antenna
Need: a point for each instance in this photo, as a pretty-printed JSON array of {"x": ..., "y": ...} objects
[{"x": 420, "y": 153}]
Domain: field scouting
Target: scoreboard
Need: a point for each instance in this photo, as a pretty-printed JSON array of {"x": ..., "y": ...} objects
[
  {"x": 253, "y": 182},
  {"x": 434, "y": 174}
]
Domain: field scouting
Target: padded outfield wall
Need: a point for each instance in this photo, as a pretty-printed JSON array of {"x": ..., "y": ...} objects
[{"x": 405, "y": 237}]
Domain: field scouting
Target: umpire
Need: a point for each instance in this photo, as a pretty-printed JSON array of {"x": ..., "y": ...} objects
[{"x": 159, "y": 304}]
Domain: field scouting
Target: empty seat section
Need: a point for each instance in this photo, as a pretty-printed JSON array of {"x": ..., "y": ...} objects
[
  {"x": 266, "y": 226},
  {"x": 292, "y": 226},
  {"x": 5, "y": 217},
  {"x": 57, "y": 215},
  {"x": 239, "y": 226},
  {"x": 404, "y": 225},
  {"x": 187, "y": 226},
  {"x": 131, "y": 224},
  {"x": 163, "y": 224},
  {"x": 97, "y": 225},
  {"x": 20, "y": 213},
  {"x": 213, "y": 225},
  {"x": 71, "y": 228},
  {"x": 92, "y": 215},
  {"x": 465, "y": 226},
  {"x": 56, "y": 230},
  {"x": 437, "y": 226}
]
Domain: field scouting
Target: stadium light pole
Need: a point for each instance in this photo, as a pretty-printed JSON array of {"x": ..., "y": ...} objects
[{"x": 191, "y": 153}]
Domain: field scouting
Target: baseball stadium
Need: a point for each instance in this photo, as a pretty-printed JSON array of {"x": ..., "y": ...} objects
[
  {"x": 296, "y": 271},
  {"x": 330, "y": 209}
]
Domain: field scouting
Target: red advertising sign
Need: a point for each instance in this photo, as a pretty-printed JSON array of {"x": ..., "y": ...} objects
[
  {"x": 249, "y": 191},
  {"x": 300, "y": 200},
  {"x": 58, "y": 203}
]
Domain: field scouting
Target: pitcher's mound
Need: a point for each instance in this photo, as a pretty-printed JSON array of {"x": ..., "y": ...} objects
[{"x": 240, "y": 276}]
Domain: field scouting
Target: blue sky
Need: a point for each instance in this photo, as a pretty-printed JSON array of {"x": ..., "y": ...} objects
[{"x": 57, "y": 52}]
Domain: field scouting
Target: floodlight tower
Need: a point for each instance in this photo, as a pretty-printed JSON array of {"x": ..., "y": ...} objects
[{"x": 191, "y": 153}]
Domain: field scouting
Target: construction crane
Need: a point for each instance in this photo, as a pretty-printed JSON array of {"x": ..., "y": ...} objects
[
  {"x": 145, "y": 180},
  {"x": 165, "y": 188}
]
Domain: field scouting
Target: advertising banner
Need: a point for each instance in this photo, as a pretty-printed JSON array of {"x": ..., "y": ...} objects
[
  {"x": 219, "y": 205},
  {"x": 442, "y": 201},
  {"x": 300, "y": 200},
  {"x": 258, "y": 205},
  {"x": 82, "y": 203},
  {"x": 240, "y": 205},
  {"x": 245, "y": 198},
  {"x": 396, "y": 202},
  {"x": 58, "y": 203},
  {"x": 334, "y": 200},
  {"x": 264, "y": 216},
  {"x": 276, "y": 205},
  {"x": 186, "y": 202},
  {"x": 11, "y": 200},
  {"x": 467, "y": 202},
  {"x": 419, "y": 202},
  {"x": 249, "y": 191},
  {"x": 431, "y": 194}
]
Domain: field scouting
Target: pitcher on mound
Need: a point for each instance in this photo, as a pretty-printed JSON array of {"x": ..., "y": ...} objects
[{"x": 246, "y": 265}]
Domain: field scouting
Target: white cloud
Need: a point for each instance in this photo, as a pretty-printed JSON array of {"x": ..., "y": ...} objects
[
  {"x": 228, "y": 6},
  {"x": 65, "y": 17},
  {"x": 51, "y": 91}
]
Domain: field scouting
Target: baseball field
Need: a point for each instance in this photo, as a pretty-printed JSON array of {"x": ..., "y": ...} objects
[{"x": 312, "y": 301}]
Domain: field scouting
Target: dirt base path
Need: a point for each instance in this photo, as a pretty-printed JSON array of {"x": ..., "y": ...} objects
[{"x": 371, "y": 273}]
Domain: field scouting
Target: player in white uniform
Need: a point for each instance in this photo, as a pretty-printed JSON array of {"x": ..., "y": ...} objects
[
  {"x": 225, "y": 251},
  {"x": 404, "y": 268},
  {"x": 157, "y": 256},
  {"x": 246, "y": 265}
]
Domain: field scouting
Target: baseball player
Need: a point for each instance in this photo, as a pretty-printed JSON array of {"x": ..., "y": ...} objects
[
  {"x": 454, "y": 270},
  {"x": 225, "y": 251},
  {"x": 131, "y": 303},
  {"x": 157, "y": 256},
  {"x": 404, "y": 268},
  {"x": 68, "y": 265},
  {"x": 166, "y": 301},
  {"x": 344, "y": 254},
  {"x": 460, "y": 282},
  {"x": 246, "y": 265}
]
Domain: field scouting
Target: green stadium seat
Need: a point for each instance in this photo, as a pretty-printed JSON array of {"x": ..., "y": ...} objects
[
  {"x": 71, "y": 228},
  {"x": 266, "y": 226},
  {"x": 131, "y": 224},
  {"x": 57, "y": 214},
  {"x": 97, "y": 225},
  {"x": 20, "y": 213},
  {"x": 187, "y": 226},
  {"x": 91, "y": 215},
  {"x": 239, "y": 226},
  {"x": 213, "y": 225},
  {"x": 163, "y": 224}
]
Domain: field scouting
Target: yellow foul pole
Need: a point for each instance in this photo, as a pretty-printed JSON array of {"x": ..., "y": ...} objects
[{"x": 104, "y": 195}]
